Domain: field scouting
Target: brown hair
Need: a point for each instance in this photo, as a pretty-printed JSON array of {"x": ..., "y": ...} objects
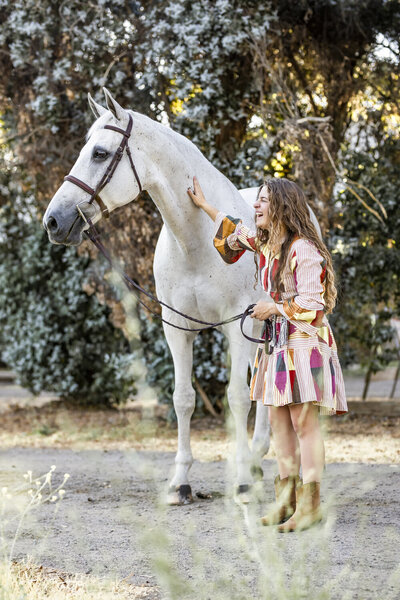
[{"x": 288, "y": 206}]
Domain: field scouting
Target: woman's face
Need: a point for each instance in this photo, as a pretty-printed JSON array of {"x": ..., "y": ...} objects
[{"x": 261, "y": 206}]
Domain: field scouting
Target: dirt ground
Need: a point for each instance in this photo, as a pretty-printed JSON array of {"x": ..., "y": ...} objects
[
  {"x": 370, "y": 432},
  {"x": 113, "y": 520}
]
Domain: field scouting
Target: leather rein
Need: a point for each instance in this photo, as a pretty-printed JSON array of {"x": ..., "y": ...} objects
[{"x": 94, "y": 237}]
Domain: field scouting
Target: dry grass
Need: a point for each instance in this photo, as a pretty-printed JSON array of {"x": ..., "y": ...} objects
[
  {"x": 369, "y": 433},
  {"x": 28, "y": 581}
]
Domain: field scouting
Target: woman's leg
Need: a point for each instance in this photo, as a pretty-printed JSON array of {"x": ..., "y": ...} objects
[
  {"x": 304, "y": 419},
  {"x": 288, "y": 457},
  {"x": 285, "y": 441}
]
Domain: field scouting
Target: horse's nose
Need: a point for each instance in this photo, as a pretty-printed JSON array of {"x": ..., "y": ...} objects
[{"x": 51, "y": 225}]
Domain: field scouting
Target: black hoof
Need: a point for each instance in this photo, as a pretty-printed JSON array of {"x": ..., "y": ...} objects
[
  {"x": 243, "y": 494},
  {"x": 181, "y": 494},
  {"x": 257, "y": 472},
  {"x": 185, "y": 494}
]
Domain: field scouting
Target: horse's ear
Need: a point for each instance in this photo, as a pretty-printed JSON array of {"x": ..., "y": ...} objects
[
  {"x": 119, "y": 113},
  {"x": 97, "y": 109}
]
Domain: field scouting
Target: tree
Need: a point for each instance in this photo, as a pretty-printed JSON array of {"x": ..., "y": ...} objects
[
  {"x": 262, "y": 88},
  {"x": 367, "y": 259},
  {"x": 316, "y": 61}
]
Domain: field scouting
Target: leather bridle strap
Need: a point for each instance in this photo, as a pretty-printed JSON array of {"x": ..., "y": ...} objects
[
  {"x": 109, "y": 172},
  {"x": 124, "y": 145},
  {"x": 93, "y": 196}
]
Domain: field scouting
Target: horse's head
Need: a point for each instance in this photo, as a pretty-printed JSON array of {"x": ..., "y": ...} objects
[{"x": 104, "y": 176}]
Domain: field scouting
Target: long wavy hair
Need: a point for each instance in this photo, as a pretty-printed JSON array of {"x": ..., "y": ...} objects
[{"x": 288, "y": 207}]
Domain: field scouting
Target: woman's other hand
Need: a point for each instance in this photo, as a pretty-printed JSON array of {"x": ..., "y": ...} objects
[{"x": 264, "y": 310}]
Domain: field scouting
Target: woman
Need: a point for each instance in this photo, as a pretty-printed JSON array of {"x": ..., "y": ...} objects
[{"x": 302, "y": 376}]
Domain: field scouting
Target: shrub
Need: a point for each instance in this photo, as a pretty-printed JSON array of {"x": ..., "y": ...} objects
[
  {"x": 52, "y": 334},
  {"x": 367, "y": 260}
]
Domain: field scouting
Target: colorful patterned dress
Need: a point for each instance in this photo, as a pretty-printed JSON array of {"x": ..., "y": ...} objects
[{"x": 306, "y": 368}]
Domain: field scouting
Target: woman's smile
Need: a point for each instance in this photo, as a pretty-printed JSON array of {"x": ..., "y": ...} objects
[{"x": 261, "y": 206}]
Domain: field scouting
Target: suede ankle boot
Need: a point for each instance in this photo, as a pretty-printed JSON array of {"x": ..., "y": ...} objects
[
  {"x": 285, "y": 504},
  {"x": 308, "y": 509}
]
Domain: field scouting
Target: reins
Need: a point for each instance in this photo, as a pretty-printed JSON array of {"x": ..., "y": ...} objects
[{"x": 94, "y": 237}]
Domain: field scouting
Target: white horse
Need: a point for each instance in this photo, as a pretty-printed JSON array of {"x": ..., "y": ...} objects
[{"x": 189, "y": 273}]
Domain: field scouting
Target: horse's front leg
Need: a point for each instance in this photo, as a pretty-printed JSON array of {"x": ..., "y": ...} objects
[{"x": 181, "y": 345}]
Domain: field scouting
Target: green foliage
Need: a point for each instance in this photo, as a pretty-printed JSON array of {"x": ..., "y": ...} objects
[
  {"x": 196, "y": 57},
  {"x": 367, "y": 259},
  {"x": 55, "y": 336},
  {"x": 235, "y": 77}
]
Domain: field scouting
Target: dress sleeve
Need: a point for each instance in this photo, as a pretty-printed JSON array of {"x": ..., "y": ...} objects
[
  {"x": 309, "y": 270},
  {"x": 232, "y": 238}
]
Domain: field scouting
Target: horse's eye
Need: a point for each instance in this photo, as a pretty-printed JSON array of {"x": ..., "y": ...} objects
[{"x": 99, "y": 154}]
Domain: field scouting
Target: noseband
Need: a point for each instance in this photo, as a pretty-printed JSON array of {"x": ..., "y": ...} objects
[{"x": 94, "y": 193}]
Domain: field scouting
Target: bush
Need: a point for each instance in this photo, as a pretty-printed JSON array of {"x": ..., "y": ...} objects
[
  {"x": 367, "y": 260},
  {"x": 52, "y": 334}
]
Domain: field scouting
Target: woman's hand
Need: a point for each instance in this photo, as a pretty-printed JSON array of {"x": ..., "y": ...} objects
[
  {"x": 197, "y": 195},
  {"x": 199, "y": 200},
  {"x": 264, "y": 310}
]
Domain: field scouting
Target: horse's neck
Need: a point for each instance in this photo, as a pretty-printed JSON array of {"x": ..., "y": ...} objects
[
  {"x": 178, "y": 216},
  {"x": 172, "y": 163}
]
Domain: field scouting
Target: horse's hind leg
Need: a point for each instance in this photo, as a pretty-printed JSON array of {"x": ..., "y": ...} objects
[
  {"x": 261, "y": 440},
  {"x": 239, "y": 403},
  {"x": 261, "y": 435},
  {"x": 184, "y": 398}
]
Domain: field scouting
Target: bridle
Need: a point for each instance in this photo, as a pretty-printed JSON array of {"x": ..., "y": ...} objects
[
  {"x": 109, "y": 172},
  {"x": 94, "y": 236}
]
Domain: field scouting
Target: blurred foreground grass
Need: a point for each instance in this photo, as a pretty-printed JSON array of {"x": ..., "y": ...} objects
[
  {"x": 271, "y": 566},
  {"x": 28, "y": 581}
]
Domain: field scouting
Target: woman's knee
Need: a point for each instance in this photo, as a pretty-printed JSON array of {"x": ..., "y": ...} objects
[
  {"x": 304, "y": 418},
  {"x": 279, "y": 418}
]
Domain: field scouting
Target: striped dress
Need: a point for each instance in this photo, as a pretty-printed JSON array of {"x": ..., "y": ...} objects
[{"x": 307, "y": 368}]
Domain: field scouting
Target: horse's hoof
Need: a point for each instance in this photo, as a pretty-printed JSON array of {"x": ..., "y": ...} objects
[
  {"x": 185, "y": 494},
  {"x": 243, "y": 494},
  {"x": 181, "y": 494},
  {"x": 257, "y": 472}
]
